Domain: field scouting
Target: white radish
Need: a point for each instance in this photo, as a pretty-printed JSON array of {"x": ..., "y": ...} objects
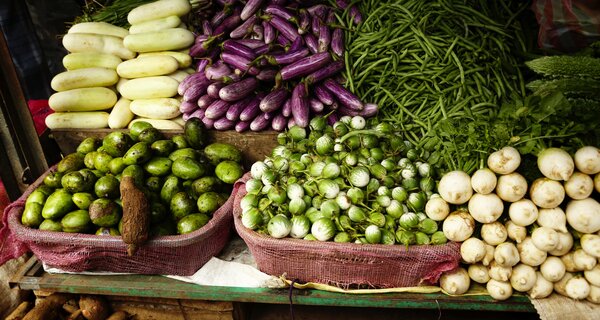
[
  {"x": 584, "y": 215},
  {"x": 530, "y": 254},
  {"x": 494, "y": 233},
  {"x": 498, "y": 272},
  {"x": 506, "y": 254},
  {"x": 590, "y": 243},
  {"x": 554, "y": 218},
  {"x": 511, "y": 187},
  {"x": 593, "y": 276},
  {"x": 555, "y": 164},
  {"x": 583, "y": 261},
  {"x": 587, "y": 160},
  {"x": 499, "y": 290},
  {"x": 523, "y": 212},
  {"x": 577, "y": 288},
  {"x": 472, "y": 250},
  {"x": 594, "y": 296},
  {"x": 485, "y": 208},
  {"x": 559, "y": 286},
  {"x": 546, "y": 193},
  {"x": 544, "y": 238},
  {"x": 515, "y": 232},
  {"x": 565, "y": 243},
  {"x": 455, "y": 282},
  {"x": 455, "y": 187},
  {"x": 504, "y": 161},
  {"x": 437, "y": 209},
  {"x": 484, "y": 181},
  {"x": 478, "y": 273},
  {"x": 597, "y": 182},
  {"x": 553, "y": 269},
  {"x": 522, "y": 278},
  {"x": 579, "y": 186},
  {"x": 458, "y": 226},
  {"x": 542, "y": 288},
  {"x": 489, "y": 255},
  {"x": 569, "y": 263}
]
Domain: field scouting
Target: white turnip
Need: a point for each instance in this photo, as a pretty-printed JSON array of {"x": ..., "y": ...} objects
[
  {"x": 587, "y": 160},
  {"x": 522, "y": 278},
  {"x": 499, "y": 290},
  {"x": 542, "y": 287},
  {"x": 458, "y": 226},
  {"x": 544, "y": 238},
  {"x": 455, "y": 187},
  {"x": 565, "y": 243},
  {"x": 555, "y": 164},
  {"x": 546, "y": 193},
  {"x": 494, "y": 233},
  {"x": 498, "y": 272},
  {"x": 489, "y": 255},
  {"x": 553, "y": 269},
  {"x": 511, "y": 187},
  {"x": 515, "y": 232},
  {"x": 485, "y": 208},
  {"x": 504, "y": 161},
  {"x": 523, "y": 212},
  {"x": 583, "y": 260},
  {"x": 472, "y": 250},
  {"x": 579, "y": 186},
  {"x": 484, "y": 181},
  {"x": 506, "y": 254},
  {"x": 590, "y": 243},
  {"x": 584, "y": 215},
  {"x": 594, "y": 296},
  {"x": 577, "y": 288},
  {"x": 530, "y": 254},
  {"x": 437, "y": 209},
  {"x": 478, "y": 273},
  {"x": 593, "y": 276},
  {"x": 455, "y": 282},
  {"x": 554, "y": 218}
]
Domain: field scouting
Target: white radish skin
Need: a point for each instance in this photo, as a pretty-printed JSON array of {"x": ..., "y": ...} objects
[
  {"x": 498, "y": 272},
  {"x": 593, "y": 276},
  {"x": 478, "y": 273},
  {"x": 559, "y": 286},
  {"x": 523, "y": 277},
  {"x": 494, "y": 233},
  {"x": 437, "y": 209},
  {"x": 455, "y": 187},
  {"x": 590, "y": 243},
  {"x": 542, "y": 288},
  {"x": 499, "y": 290},
  {"x": 530, "y": 254},
  {"x": 547, "y": 193},
  {"x": 583, "y": 261},
  {"x": 597, "y": 182},
  {"x": 555, "y": 164},
  {"x": 579, "y": 186},
  {"x": 569, "y": 263},
  {"x": 489, "y": 255},
  {"x": 515, "y": 232},
  {"x": 455, "y": 282},
  {"x": 472, "y": 250},
  {"x": 587, "y": 160},
  {"x": 523, "y": 212},
  {"x": 544, "y": 238},
  {"x": 506, "y": 254},
  {"x": 554, "y": 218},
  {"x": 584, "y": 215},
  {"x": 594, "y": 296},
  {"x": 553, "y": 269},
  {"x": 504, "y": 161},
  {"x": 511, "y": 187},
  {"x": 485, "y": 208},
  {"x": 577, "y": 288},
  {"x": 565, "y": 243},
  {"x": 484, "y": 181},
  {"x": 458, "y": 226}
]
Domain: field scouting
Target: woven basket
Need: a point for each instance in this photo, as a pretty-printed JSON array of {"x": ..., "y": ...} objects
[
  {"x": 345, "y": 265},
  {"x": 171, "y": 255}
]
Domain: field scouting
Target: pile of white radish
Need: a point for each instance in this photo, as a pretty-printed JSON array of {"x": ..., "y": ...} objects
[{"x": 534, "y": 238}]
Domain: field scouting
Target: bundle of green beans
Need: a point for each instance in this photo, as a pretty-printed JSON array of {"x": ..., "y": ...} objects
[{"x": 426, "y": 62}]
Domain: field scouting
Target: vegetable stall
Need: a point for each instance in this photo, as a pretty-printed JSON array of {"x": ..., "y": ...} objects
[{"x": 351, "y": 145}]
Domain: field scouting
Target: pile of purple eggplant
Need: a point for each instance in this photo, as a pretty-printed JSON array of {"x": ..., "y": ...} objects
[{"x": 269, "y": 64}]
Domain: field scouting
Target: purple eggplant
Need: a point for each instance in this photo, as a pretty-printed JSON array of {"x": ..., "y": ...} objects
[
  {"x": 239, "y": 49},
  {"x": 250, "y": 43},
  {"x": 319, "y": 10},
  {"x": 330, "y": 18},
  {"x": 238, "y": 90},
  {"x": 346, "y": 98},
  {"x": 305, "y": 66},
  {"x": 216, "y": 110},
  {"x": 217, "y": 71},
  {"x": 202, "y": 63},
  {"x": 315, "y": 25},
  {"x": 213, "y": 89},
  {"x": 297, "y": 44},
  {"x": 342, "y": 4},
  {"x": 311, "y": 43},
  {"x": 268, "y": 32},
  {"x": 332, "y": 119},
  {"x": 240, "y": 63},
  {"x": 286, "y": 110},
  {"x": 324, "y": 38},
  {"x": 370, "y": 110},
  {"x": 199, "y": 113},
  {"x": 251, "y": 110},
  {"x": 258, "y": 32},
  {"x": 262, "y": 49},
  {"x": 291, "y": 122},
  {"x": 207, "y": 28},
  {"x": 282, "y": 41},
  {"x": 274, "y": 100},
  {"x": 300, "y": 107},
  {"x": 324, "y": 95},
  {"x": 224, "y": 124},
  {"x": 343, "y": 111},
  {"x": 266, "y": 75},
  {"x": 190, "y": 80},
  {"x": 242, "y": 126},
  {"x": 281, "y": 12},
  {"x": 228, "y": 24},
  {"x": 250, "y": 8},
  {"x": 288, "y": 57},
  {"x": 260, "y": 123},
  {"x": 279, "y": 122},
  {"x": 243, "y": 29},
  {"x": 304, "y": 21},
  {"x": 205, "y": 100},
  {"x": 218, "y": 18},
  {"x": 208, "y": 123},
  {"x": 316, "y": 106},
  {"x": 187, "y": 107},
  {"x": 337, "y": 42},
  {"x": 195, "y": 91},
  {"x": 236, "y": 108},
  {"x": 325, "y": 72},
  {"x": 355, "y": 14},
  {"x": 284, "y": 27}
]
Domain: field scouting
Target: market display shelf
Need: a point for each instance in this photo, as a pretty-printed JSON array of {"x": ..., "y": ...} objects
[{"x": 32, "y": 277}]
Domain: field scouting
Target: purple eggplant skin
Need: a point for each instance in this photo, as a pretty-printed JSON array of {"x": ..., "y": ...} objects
[
  {"x": 291, "y": 122},
  {"x": 251, "y": 110},
  {"x": 240, "y": 63},
  {"x": 228, "y": 24},
  {"x": 300, "y": 105},
  {"x": 342, "y": 4},
  {"x": 195, "y": 91},
  {"x": 250, "y": 43},
  {"x": 323, "y": 95},
  {"x": 315, "y": 25},
  {"x": 208, "y": 123},
  {"x": 281, "y": 12},
  {"x": 201, "y": 38},
  {"x": 305, "y": 66},
  {"x": 260, "y": 123},
  {"x": 239, "y": 49},
  {"x": 207, "y": 29},
  {"x": 284, "y": 27},
  {"x": 311, "y": 43},
  {"x": 242, "y": 126},
  {"x": 267, "y": 75},
  {"x": 238, "y": 90},
  {"x": 197, "y": 50},
  {"x": 288, "y": 57},
  {"x": 216, "y": 110},
  {"x": 319, "y": 10},
  {"x": 332, "y": 119},
  {"x": 324, "y": 38},
  {"x": 355, "y": 14},
  {"x": 325, "y": 72},
  {"x": 187, "y": 107},
  {"x": 345, "y": 97},
  {"x": 199, "y": 113},
  {"x": 337, "y": 42},
  {"x": 370, "y": 110},
  {"x": 258, "y": 32},
  {"x": 315, "y": 105},
  {"x": 205, "y": 100},
  {"x": 217, "y": 71},
  {"x": 223, "y": 124},
  {"x": 279, "y": 122},
  {"x": 343, "y": 111},
  {"x": 262, "y": 49},
  {"x": 274, "y": 100},
  {"x": 190, "y": 80},
  {"x": 250, "y": 8},
  {"x": 282, "y": 41},
  {"x": 213, "y": 89},
  {"x": 297, "y": 44},
  {"x": 236, "y": 108},
  {"x": 268, "y": 32},
  {"x": 243, "y": 29},
  {"x": 304, "y": 21},
  {"x": 218, "y": 18},
  {"x": 202, "y": 63},
  {"x": 330, "y": 18},
  {"x": 286, "y": 110}
]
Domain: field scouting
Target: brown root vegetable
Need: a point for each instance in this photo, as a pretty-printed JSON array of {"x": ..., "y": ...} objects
[
  {"x": 19, "y": 312},
  {"x": 77, "y": 315},
  {"x": 49, "y": 308},
  {"x": 136, "y": 215},
  {"x": 94, "y": 307},
  {"x": 119, "y": 315}
]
